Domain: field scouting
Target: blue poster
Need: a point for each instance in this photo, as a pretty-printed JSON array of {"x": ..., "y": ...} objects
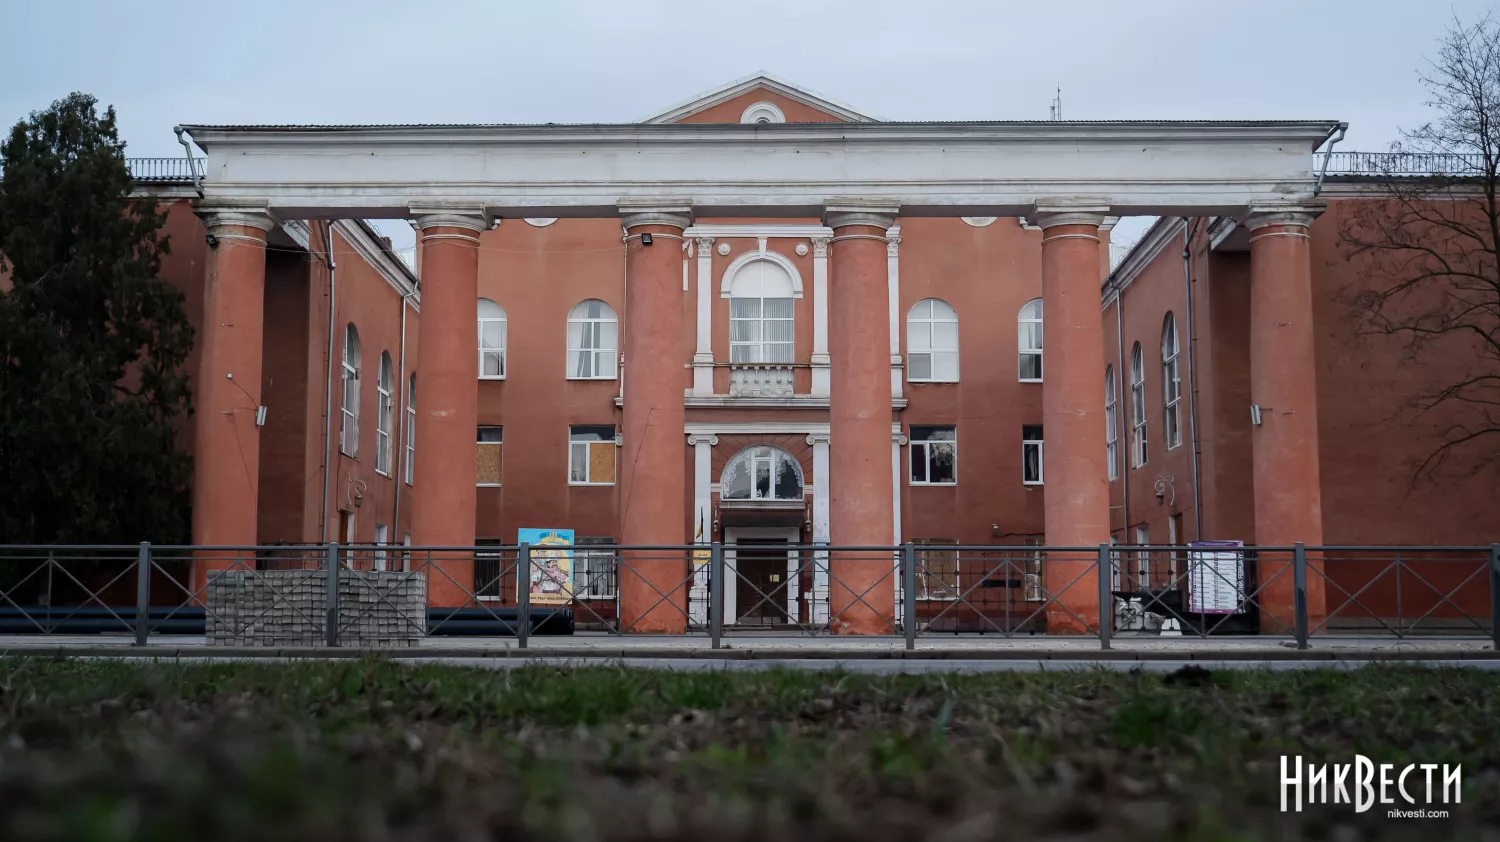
[{"x": 551, "y": 574}]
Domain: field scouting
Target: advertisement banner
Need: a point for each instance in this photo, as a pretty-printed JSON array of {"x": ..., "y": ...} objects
[{"x": 551, "y": 574}]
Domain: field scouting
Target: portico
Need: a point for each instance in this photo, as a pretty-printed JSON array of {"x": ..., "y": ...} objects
[{"x": 857, "y": 180}]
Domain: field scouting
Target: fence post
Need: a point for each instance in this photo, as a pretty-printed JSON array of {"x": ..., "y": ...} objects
[
  {"x": 331, "y": 608},
  {"x": 523, "y": 595},
  {"x": 1495, "y": 594},
  {"x": 143, "y": 594},
  {"x": 1105, "y": 574},
  {"x": 716, "y": 594},
  {"x": 909, "y": 593},
  {"x": 1299, "y": 592}
]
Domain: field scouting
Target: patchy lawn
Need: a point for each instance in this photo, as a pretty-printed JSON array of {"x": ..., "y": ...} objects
[{"x": 375, "y": 750}]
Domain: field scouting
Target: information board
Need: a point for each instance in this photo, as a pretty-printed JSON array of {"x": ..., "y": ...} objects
[{"x": 1216, "y": 577}]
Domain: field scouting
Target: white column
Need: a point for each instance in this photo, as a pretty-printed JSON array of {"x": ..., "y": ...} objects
[
  {"x": 893, "y": 285},
  {"x": 820, "y": 358},
  {"x": 819, "y": 442},
  {"x": 898, "y": 440},
  {"x": 703, "y": 358},
  {"x": 702, "y": 523}
]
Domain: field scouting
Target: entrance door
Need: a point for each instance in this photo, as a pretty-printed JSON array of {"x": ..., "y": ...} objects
[{"x": 761, "y": 581}]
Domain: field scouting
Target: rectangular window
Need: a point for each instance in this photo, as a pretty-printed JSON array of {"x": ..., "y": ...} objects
[
  {"x": 937, "y": 569},
  {"x": 487, "y": 569},
  {"x": 934, "y": 455},
  {"x": 1138, "y": 424},
  {"x": 492, "y": 349},
  {"x": 383, "y": 425},
  {"x": 594, "y": 569},
  {"x": 489, "y": 451},
  {"x": 1031, "y": 454},
  {"x": 591, "y": 456},
  {"x": 761, "y": 330},
  {"x": 382, "y": 537},
  {"x": 349, "y": 420},
  {"x": 1143, "y": 557},
  {"x": 411, "y": 429},
  {"x": 1111, "y": 420}
]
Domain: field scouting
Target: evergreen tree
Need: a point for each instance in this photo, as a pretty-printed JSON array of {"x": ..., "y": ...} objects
[{"x": 93, "y": 343}]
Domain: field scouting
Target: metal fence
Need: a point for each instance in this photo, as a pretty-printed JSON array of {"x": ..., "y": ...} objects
[
  {"x": 339, "y": 594},
  {"x": 1406, "y": 163},
  {"x": 164, "y": 170}
]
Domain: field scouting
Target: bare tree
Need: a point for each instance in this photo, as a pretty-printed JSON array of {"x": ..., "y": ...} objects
[{"x": 1430, "y": 242}]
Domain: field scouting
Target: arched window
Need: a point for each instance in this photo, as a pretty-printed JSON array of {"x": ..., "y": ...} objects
[
  {"x": 1171, "y": 382},
  {"x": 383, "y": 410},
  {"x": 1029, "y": 340},
  {"x": 593, "y": 341},
  {"x": 1137, "y": 407},
  {"x": 491, "y": 340},
  {"x": 761, "y": 319},
  {"x": 411, "y": 426},
  {"x": 349, "y": 425},
  {"x": 1111, "y": 418},
  {"x": 761, "y": 473},
  {"x": 932, "y": 342}
]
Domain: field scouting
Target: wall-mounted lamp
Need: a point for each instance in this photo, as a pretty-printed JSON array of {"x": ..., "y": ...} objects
[
  {"x": 213, "y": 242},
  {"x": 645, "y": 239}
]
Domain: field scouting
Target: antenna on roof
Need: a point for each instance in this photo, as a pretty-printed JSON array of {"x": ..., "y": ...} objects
[{"x": 1057, "y": 105}]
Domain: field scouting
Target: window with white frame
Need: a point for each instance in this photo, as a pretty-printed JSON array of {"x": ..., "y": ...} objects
[
  {"x": 593, "y": 341},
  {"x": 1111, "y": 418},
  {"x": 1137, "y": 407},
  {"x": 937, "y": 569},
  {"x": 934, "y": 455},
  {"x": 383, "y": 412},
  {"x": 1171, "y": 382},
  {"x": 492, "y": 334},
  {"x": 591, "y": 455},
  {"x": 382, "y": 537},
  {"x": 594, "y": 568},
  {"x": 411, "y": 427},
  {"x": 1029, "y": 341},
  {"x": 1031, "y": 454},
  {"x": 761, "y": 473},
  {"x": 932, "y": 342},
  {"x": 1143, "y": 557},
  {"x": 489, "y": 454},
  {"x": 762, "y": 321},
  {"x": 489, "y": 571},
  {"x": 349, "y": 420}
]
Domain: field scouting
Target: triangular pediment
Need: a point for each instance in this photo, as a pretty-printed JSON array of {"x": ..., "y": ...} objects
[{"x": 728, "y": 103}]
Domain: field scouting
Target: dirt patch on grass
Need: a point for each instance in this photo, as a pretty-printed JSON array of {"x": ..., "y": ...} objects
[{"x": 374, "y": 750}]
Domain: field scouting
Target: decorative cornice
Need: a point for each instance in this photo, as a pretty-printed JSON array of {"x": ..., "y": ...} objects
[
  {"x": 540, "y": 221},
  {"x": 755, "y": 231},
  {"x": 820, "y": 246},
  {"x": 676, "y": 213},
  {"x": 892, "y": 246},
  {"x": 218, "y": 216},
  {"x": 879, "y": 213},
  {"x": 1302, "y": 214},
  {"x": 768, "y": 110},
  {"x": 745, "y": 259},
  {"x": 703, "y": 438}
]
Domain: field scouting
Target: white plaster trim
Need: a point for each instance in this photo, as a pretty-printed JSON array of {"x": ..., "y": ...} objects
[
  {"x": 794, "y": 402},
  {"x": 540, "y": 221},
  {"x": 1294, "y": 215},
  {"x": 755, "y": 428},
  {"x": 708, "y": 99},
  {"x": 822, "y": 373},
  {"x": 893, "y": 304},
  {"x": 755, "y": 231},
  {"x": 768, "y": 110},
  {"x": 703, "y": 358},
  {"x": 392, "y": 270},
  {"x": 979, "y": 221},
  {"x": 727, "y": 282},
  {"x": 241, "y": 214},
  {"x": 298, "y": 231},
  {"x": 1165, "y": 231}
]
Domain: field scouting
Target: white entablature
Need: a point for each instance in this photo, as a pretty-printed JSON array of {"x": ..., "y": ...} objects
[{"x": 787, "y": 169}]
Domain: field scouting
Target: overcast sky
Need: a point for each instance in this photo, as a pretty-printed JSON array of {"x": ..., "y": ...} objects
[{"x": 373, "y": 61}]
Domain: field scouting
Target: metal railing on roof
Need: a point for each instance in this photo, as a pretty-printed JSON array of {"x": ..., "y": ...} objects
[
  {"x": 163, "y": 170},
  {"x": 1406, "y": 163}
]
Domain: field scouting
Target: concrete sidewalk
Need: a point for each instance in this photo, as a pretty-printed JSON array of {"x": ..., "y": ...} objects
[{"x": 784, "y": 647}]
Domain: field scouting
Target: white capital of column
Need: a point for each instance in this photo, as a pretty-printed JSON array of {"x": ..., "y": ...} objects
[
  {"x": 1051, "y": 214},
  {"x": 447, "y": 215},
  {"x": 703, "y": 357},
  {"x": 1302, "y": 215},
  {"x": 676, "y": 213},
  {"x": 217, "y": 218}
]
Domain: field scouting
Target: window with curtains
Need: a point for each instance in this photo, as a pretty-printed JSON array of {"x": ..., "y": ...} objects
[
  {"x": 349, "y": 421},
  {"x": 593, "y": 341},
  {"x": 384, "y": 408},
  {"x": 411, "y": 427},
  {"x": 1111, "y": 418},
  {"x": 492, "y": 330},
  {"x": 1137, "y": 407},
  {"x": 1029, "y": 341},
  {"x": 932, "y": 342},
  {"x": 761, "y": 314},
  {"x": 1171, "y": 382}
]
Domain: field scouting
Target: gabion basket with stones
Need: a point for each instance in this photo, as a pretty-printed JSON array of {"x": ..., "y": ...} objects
[{"x": 289, "y": 608}]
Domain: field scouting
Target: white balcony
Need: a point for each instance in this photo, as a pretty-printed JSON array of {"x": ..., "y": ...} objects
[{"x": 760, "y": 380}]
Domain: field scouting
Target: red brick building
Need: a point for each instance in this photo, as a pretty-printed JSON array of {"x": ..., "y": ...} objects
[{"x": 754, "y": 351}]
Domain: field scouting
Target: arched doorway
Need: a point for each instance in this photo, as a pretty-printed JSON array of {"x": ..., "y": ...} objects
[{"x": 761, "y": 508}]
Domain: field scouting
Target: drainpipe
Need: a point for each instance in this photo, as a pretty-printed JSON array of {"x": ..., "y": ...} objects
[
  {"x": 402, "y": 395},
  {"x": 328, "y": 381},
  {"x": 1188, "y": 227},
  {"x": 1120, "y": 411},
  {"x": 1341, "y": 128},
  {"x": 193, "y": 169}
]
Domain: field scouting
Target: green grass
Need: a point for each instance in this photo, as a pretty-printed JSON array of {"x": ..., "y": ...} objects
[{"x": 376, "y": 750}]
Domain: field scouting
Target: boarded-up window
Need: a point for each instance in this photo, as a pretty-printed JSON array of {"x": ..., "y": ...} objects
[
  {"x": 937, "y": 569},
  {"x": 591, "y": 456},
  {"x": 489, "y": 452}
]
